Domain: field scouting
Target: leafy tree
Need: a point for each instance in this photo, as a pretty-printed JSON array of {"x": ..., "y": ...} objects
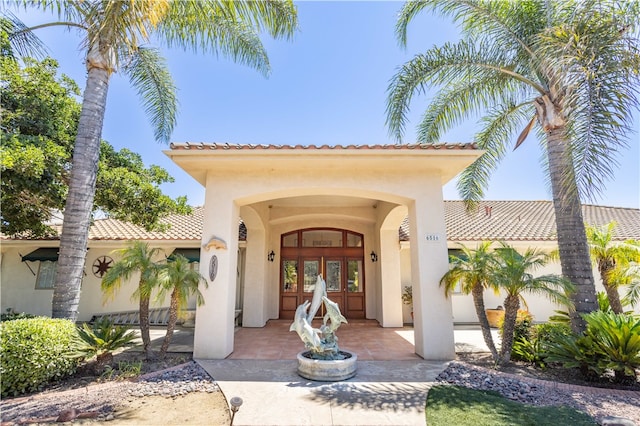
[
  {"x": 567, "y": 68},
  {"x": 39, "y": 119},
  {"x": 615, "y": 261},
  {"x": 137, "y": 257},
  {"x": 513, "y": 274},
  {"x": 472, "y": 270},
  {"x": 181, "y": 280},
  {"x": 113, "y": 33}
]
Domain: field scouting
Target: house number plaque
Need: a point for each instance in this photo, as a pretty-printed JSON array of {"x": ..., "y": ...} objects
[{"x": 213, "y": 267}]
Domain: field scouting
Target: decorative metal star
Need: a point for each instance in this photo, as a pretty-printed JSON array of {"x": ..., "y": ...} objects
[{"x": 101, "y": 266}]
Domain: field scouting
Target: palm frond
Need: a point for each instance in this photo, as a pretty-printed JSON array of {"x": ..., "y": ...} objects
[
  {"x": 461, "y": 100},
  {"x": 149, "y": 74},
  {"x": 279, "y": 18},
  {"x": 496, "y": 135},
  {"x": 177, "y": 276},
  {"x": 409, "y": 11},
  {"x": 212, "y": 28},
  {"x": 23, "y": 42},
  {"x": 472, "y": 76},
  {"x": 598, "y": 67}
]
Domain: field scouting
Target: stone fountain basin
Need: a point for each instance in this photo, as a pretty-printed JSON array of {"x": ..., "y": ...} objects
[{"x": 327, "y": 370}]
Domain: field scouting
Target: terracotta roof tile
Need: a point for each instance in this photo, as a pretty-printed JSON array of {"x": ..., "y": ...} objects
[
  {"x": 493, "y": 220},
  {"x": 525, "y": 221},
  {"x": 186, "y": 146}
]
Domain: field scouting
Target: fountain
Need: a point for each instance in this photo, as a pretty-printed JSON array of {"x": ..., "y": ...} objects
[{"x": 322, "y": 360}]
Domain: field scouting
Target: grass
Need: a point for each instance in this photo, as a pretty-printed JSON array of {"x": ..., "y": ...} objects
[{"x": 455, "y": 405}]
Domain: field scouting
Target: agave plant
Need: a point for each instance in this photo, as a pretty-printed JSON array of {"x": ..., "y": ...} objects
[{"x": 100, "y": 340}]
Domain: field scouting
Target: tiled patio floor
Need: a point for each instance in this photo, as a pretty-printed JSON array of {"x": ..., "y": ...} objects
[{"x": 364, "y": 337}]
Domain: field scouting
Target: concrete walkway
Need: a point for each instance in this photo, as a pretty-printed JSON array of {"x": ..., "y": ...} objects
[
  {"x": 389, "y": 392},
  {"x": 381, "y": 393}
]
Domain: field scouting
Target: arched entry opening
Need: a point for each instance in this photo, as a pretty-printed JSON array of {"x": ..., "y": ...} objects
[{"x": 337, "y": 254}]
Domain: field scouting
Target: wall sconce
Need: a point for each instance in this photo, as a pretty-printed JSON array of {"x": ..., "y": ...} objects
[
  {"x": 374, "y": 256},
  {"x": 271, "y": 256}
]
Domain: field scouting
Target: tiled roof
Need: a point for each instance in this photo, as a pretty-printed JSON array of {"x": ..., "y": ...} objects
[
  {"x": 525, "y": 221},
  {"x": 228, "y": 146},
  {"x": 494, "y": 220},
  {"x": 182, "y": 227}
]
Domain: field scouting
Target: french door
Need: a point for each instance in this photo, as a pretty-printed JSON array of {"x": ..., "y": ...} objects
[{"x": 342, "y": 269}]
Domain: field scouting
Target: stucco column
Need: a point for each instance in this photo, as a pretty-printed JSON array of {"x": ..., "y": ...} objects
[
  {"x": 255, "y": 281},
  {"x": 213, "y": 338},
  {"x": 390, "y": 278},
  {"x": 433, "y": 317}
]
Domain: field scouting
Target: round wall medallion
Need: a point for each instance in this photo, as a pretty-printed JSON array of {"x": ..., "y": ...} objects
[
  {"x": 101, "y": 265},
  {"x": 213, "y": 267}
]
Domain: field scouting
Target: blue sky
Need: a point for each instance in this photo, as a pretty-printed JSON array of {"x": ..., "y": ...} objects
[{"x": 327, "y": 86}]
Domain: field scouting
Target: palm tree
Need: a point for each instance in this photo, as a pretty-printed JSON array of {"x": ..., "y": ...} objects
[
  {"x": 614, "y": 260},
  {"x": 138, "y": 257},
  {"x": 472, "y": 270},
  {"x": 513, "y": 275},
  {"x": 178, "y": 277},
  {"x": 568, "y": 68},
  {"x": 112, "y": 35}
]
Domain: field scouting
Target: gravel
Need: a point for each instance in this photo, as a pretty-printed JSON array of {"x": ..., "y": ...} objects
[
  {"x": 598, "y": 403},
  {"x": 102, "y": 399}
]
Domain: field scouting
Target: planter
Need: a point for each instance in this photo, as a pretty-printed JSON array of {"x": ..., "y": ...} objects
[
  {"x": 188, "y": 318},
  {"x": 495, "y": 317},
  {"x": 327, "y": 370}
]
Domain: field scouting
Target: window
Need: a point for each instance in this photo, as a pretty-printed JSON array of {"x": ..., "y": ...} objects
[
  {"x": 459, "y": 254},
  {"x": 354, "y": 240},
  {"x": 322, "y": 238},
  {"x": 46, "y": 275}
]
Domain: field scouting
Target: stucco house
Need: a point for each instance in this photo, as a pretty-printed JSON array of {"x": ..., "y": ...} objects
[{"x": 370, "y": 218}]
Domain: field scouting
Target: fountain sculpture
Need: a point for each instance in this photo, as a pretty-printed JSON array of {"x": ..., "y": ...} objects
[{"x": 323, "y": 360}]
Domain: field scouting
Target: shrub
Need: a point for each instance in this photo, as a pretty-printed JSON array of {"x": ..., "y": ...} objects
[
  {"x": 11, "y": 315},
  {"x": 610, "y": 342},
  {"x": 522, "y": 343},
  {"x": 100, "y": 340},
  {"x": 615, "y": 338},
  {"x": 34, "y": 352},
  {"x": 533, "y": 349}
]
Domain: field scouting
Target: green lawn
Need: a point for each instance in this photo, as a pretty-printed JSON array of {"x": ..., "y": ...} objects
[{"x": 459, "y": 406}]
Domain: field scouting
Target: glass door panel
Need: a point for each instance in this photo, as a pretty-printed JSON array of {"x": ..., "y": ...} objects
[
  {"x": 311, "y": 271},
  {"x": 354, "y": 276},
  {"x": 334, "y": 275},
  {"x": 290, "y": 276}
]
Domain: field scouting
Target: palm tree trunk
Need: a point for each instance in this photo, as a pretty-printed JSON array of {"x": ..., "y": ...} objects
[
  {"x": 144, "y": 327},
  {"x": 612, "y": 291},
  {"x": 171, "y": 325},
  {"x": 572, "y": 239},
  {"x": 79, "y": 204},
  {"x": 511, "y": 306},
  {"x": 478, "y": 301}
]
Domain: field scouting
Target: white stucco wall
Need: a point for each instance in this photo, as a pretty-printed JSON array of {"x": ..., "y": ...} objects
[
  {"x": 539, "y": 306},
  {"x": 18, "y": 292}
]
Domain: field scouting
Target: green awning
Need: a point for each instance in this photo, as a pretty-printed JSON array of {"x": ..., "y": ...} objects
[
  {"x": 192, "y": 254},
  {"x": 457, "y": 253},
  {"x": 42, "y": 254}
]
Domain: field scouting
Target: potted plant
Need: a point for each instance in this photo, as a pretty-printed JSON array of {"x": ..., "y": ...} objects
[
  {"x": 407, "y": 297},
  {"x": 495, "y": 316}
]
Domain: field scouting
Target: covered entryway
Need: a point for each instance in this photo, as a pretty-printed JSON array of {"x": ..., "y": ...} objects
[
  {"x": 336, "y": 254},
  {"x": 283, "y": 192}
]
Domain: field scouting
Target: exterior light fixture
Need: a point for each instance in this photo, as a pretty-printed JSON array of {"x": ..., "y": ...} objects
[
  {"x": 235, "y": 403},
  {"x": 271, "y": 256},
  {"x": 374, "y": 256}
]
